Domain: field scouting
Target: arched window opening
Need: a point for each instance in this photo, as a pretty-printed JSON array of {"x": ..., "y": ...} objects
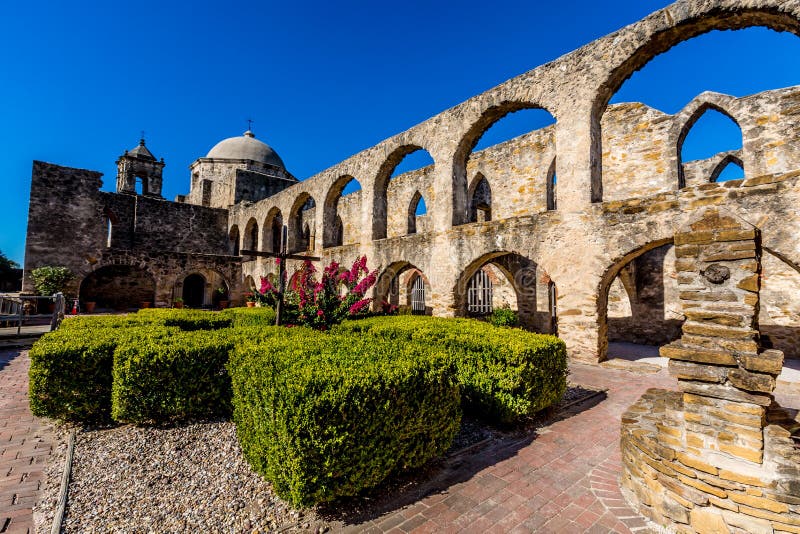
[
  {"x": 251, "y": 235},
  {"x": 479, "y": 294},
  {"x": 340, "y": 200},
  {"x": 110, "y": 220},
  {"x": 277, "y": 231},
  {"x": 301, "y": 224},
  {"x": 233, "y": 240},
  {"x": 523, "y": 123},
  {"x": 480, "y": 201},
  {"x": 711, "y": 133},
  {"x": 140, "y": 186},
  {"x": 416, "y": 209},
  {"x": 726, "y": 62},
  {"x": 405, "y": 163},
  {"x": 417, "y": 295},
  {"x": 551, "y": 187},
  {"x": 728, "y": 169}
]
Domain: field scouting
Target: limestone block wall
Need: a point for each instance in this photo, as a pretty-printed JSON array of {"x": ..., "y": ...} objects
[{"x": 718, "y": 455}]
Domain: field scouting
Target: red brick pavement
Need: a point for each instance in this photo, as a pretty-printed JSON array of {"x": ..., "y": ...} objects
[
  {"x": 565, "y": 480},
  {"x": 25, "y": 444}
]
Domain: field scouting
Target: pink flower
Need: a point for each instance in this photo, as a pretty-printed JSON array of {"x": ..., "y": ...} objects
[{"x": 320, "y": 313}]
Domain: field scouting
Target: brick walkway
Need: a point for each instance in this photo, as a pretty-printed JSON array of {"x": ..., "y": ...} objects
[
  {"x": 564, "y": 480},
  {"x": 25, "y": 443}
]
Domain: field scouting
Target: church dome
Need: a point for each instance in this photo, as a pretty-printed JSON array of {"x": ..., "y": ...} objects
[{"x": 246, "y": 147}]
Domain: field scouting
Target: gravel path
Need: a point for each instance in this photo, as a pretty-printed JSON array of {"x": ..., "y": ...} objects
[{"x": 183, "y": 479}]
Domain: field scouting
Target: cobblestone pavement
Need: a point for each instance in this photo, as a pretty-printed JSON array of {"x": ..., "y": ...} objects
[
  {"x": 25, "y": 444},
  {"x": 563, "y": 480}
]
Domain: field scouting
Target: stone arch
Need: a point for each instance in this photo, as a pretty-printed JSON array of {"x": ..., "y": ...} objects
[
  {"x": 301, "y": 222},
  {"x": 273, "y": 226},
  {"x": 333, "y": 231},
  {"x": 118, "y": 287},
  {"x": 665, "y": 29},
  {"x": 379, "y": 194},
  {"x": 193, "y": 290},
  {"x": 412, "y": 212},
  {"x": 395, "y": 283},
  {"x": 730, "y": 159},
  {"x": 688, "y": 117},
  {"x": 234, "y": 243},
  {"x": 205, "y": 296},
  {"x": 249, "y": 283},
  {"x": 461, "y": 207},
  {"x": 250, "y": 237},
  {"x": 550, "y": 187},
  {"x": 606, "y": 280},
  {"x": 480, "y": 199},
  {"x": 527, "y": 280}
]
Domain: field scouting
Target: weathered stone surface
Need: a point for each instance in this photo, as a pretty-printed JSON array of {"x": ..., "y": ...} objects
[
  {"x": 751, "y": 381},
  {"x": 768, "y": 361},
  {"x": 692, "y": 371},
  {"x": 707, "y": 521},
  {"x": 720, "y": 391}
]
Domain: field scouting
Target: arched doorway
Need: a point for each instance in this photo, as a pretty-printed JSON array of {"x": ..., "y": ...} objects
[{"x": 194, "y": 290}]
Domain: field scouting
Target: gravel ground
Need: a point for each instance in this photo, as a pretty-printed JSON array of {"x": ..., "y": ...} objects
[
  {"x": 194, "y": 477},
  {"x": 183, "y": 479}
]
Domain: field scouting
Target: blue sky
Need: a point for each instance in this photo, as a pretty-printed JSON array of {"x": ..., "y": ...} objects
[{"x": 321, "y": 80}]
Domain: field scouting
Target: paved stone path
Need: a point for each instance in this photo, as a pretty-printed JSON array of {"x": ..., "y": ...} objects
[
  {"x": 564, "y": 480},
  {"x": 25, "y": 444}
]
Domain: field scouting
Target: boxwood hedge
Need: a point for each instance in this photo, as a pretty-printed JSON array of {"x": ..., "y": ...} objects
[
  {"x": 323, "y": 417},
  {"x": 179, "y": 377},
  {"x": 71, "y": 369},
  {"x": 505, "y": 374}
]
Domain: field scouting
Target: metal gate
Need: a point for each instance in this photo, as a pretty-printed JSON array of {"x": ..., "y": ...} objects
[
  {"x": 418, "y": 295},
  {"x": 479, "y": 294}
]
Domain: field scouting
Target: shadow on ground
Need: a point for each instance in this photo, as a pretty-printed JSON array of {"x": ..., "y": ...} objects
[{"x": 440, "y": 474}]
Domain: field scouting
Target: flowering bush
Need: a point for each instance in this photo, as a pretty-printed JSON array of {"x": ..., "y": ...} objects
[{"x": 337, "y": 295}]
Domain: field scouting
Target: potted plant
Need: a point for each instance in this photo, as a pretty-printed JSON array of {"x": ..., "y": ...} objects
[
  {"x": 49, "y": 280},
  {"x": 177, "y": 302},
  {"x": 251, "y": 299},
  {"x": 145, "y": 304},
  {"x": 222, "y": 301}
]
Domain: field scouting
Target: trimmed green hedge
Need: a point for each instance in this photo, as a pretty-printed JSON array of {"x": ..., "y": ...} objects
[
  {"x": 250, "y": 316},
  {"x": 188, "y": 320},
  {"x": 71, "y": 369},
  {"x": 505, "y": 374},
  {"x": 323, "y": 417},
  {"x": 174, "y": 378}
]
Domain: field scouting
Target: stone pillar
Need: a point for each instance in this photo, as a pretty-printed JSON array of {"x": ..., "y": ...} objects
[
  {"x": 727, "y": 382},
  {"x": 712, "y": 458}
]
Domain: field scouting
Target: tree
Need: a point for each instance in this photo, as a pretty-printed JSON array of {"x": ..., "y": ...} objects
[{"x": 6, "y": 265}]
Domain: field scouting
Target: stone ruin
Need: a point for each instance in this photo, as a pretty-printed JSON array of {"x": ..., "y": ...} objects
[
  {"x": 571, "y": 224},
  {"x": 718, "y": 455}
]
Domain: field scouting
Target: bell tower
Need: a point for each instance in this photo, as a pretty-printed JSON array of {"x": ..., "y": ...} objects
[{"x": 140, "y": 164}]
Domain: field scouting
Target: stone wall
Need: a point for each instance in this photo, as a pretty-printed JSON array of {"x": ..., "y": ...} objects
[
  {"x": 718, "y": 455},
  {"x": 68, "y": 224}
]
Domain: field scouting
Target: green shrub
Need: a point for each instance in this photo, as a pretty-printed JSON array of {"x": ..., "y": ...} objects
[
  {"x": 323, "y": 417},
  {"x": 173, "y": 378},
  {"x": 503, "y": 317},
  {"x": 49, "y": 280},
  {"x": 70, "y": 373},
  {"x": 239, "y": 317},
  {"x": 505, "y": 374},
  {"x": 188, "y": 320}
]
